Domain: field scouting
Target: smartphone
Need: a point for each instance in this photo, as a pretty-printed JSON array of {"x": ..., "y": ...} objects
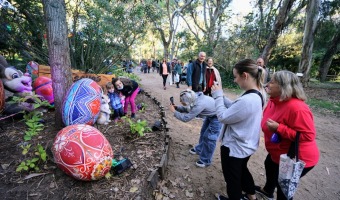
[{"x": 172, "y": 100}]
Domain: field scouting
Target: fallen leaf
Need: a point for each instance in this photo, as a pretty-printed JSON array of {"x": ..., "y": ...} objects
[
  {"x": 34, "y": 175},
  {"x": 159, "y": 196},
  {"x": 189, "y": 194},
  {"x": 5, "y": 166},
  {"x": 133, "y": 189}
]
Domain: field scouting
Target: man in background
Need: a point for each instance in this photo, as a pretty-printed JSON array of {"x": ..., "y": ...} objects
[
  {"x": 196, "y": 73},
  {"x": 260, "y": 62}
]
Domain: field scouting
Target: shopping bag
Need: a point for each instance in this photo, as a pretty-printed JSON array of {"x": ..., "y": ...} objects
[
  {"x": 170, "y": 79},
  {"x": 176, "y": 78},
  {"x": 290, "y": 169}
]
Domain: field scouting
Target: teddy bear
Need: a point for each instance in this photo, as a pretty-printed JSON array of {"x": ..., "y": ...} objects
[{"x": 104, "y": 115}]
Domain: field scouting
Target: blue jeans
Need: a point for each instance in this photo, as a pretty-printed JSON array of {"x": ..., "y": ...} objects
[{"x": 207, "y": 142}]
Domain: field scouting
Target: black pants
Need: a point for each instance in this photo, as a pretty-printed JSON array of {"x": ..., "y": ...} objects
[
  {"x": 164, "y": 79},
  {"x": 236, "y": 175},
  {"x": 272, "y": 175}
]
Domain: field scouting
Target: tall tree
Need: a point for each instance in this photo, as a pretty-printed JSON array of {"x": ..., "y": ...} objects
[
  {"x": 277, "y": 28},
  {"x": 327, "y": 58},
  {"x": 312, "y": 13},
  {"x": 59, "y": 53},
  {"x": 165, "y": 25},
  {"x": 212, "y": 23}
]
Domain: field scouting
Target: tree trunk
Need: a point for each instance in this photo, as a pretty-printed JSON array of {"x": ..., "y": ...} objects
[
  {"x": 59, "y": 53},
  {"x": 277, "y": 28},
  {"x": 305, "y": 64},
  {"x": 327, "y": 58}
]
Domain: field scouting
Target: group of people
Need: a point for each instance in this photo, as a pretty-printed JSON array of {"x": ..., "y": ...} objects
[
  {"x": 237, "y": 124},
  {"x": 122, "y": 92},
  {"x": 175, "y": 68}
]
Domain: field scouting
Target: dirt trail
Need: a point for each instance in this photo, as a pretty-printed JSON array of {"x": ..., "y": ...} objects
[{"x": 186, "y": 181}]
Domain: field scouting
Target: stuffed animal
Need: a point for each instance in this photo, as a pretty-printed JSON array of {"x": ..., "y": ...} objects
[
  {"x": 104, "y": 115},
  {"x": 16, "y": 82}
]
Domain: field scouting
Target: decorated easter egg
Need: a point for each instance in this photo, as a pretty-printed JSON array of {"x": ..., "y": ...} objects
[
  {"x": 82, "y": 152},
  {"x": 43, "y": 87},
  {"x": 2, "y": 97},
  {"x": 32, "y": 68},
  {"x": 82, "y": 103}
]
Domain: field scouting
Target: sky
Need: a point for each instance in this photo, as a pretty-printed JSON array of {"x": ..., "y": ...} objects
[{"x": 242, "y": 7}]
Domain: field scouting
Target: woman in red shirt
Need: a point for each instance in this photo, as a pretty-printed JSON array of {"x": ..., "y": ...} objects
[{"x": 285, "y": 114}]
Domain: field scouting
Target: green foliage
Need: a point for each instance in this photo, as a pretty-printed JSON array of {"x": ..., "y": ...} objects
[
  {"x": 33, "y": 121},
  {"x": 112, "y": 28},
  {"x": 142, "y": 108},
  {"x": 121, "y": 73},
  {"x": 333, "y": 107},
  {"x": 22, "y": 32},
  {"x": 33, "y": 118},
  {"x": 34, "y": 126},
  {"x": 228, "y": 79},
  {"x": 34, "y": 162},
  {"x": 25, "y": 148},
  {"x": 40, "y": 151},
  {"x": 139, "y": 127},
  {"x": 28, "y": 164}
]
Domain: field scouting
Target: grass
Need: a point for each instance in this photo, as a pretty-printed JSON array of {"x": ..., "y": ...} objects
[{"x": 333, "y": 107}]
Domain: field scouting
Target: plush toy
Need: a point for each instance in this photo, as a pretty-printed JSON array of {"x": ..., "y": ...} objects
[
  {"x": 104, "y": 115},
  {"x": 17, "y": 83}
]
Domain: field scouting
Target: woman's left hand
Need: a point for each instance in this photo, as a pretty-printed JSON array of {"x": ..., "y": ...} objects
[
  {"x": 172, "y": 108},
  {"x": 215, "y": 87},
  {"x": 272, "y": 125}
]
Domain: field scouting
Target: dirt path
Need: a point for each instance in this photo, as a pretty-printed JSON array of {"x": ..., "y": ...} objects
[{"x": 186, "y": 181}]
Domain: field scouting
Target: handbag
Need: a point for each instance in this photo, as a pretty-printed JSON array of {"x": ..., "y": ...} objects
[
  {"x": 176, "y": 78},
  {"x": 290, "y": 169}
]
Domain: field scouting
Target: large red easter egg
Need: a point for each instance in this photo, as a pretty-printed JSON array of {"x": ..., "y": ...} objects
[
  {"x": 82, "y": 152},
  {"x": 43, "y": 87},
  {"x": 82, "y": 103},
  {"x": 2, "y": 97}
]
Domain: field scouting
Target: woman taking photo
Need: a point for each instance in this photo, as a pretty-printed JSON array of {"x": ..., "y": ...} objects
[{"x": 241, "y": 129}]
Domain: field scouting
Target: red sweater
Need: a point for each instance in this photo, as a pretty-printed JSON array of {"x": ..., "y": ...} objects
[{"x": 292, "y": 115}]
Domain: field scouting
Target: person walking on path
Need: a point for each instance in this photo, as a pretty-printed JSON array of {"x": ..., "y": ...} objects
[
  {"x": 164, "y": 71},
  {"x": 240, "y": 135},
  {"x": 178, "y": 70},
  {"x": 194, "y": 104},
  {"x": 196, "y": 73},
  {"x": 212, "y": 75}
]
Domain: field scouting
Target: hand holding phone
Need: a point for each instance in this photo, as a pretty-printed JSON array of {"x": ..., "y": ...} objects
[{"x": 172, "y": 100}]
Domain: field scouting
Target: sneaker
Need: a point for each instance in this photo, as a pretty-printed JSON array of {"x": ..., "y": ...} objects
[
  {"x": 193, "y": 151},
  {"x": 264, "y": 195},
  {"x": 133, "y": 115},
  {"x": 245, "y": 197},
  {"x": 221, "y": 197},
  {"x": 200, "y": 164}
]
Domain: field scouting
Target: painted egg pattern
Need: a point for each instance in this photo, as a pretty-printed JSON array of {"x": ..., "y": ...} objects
[
  {"x": 43, "y": 87},
  {"x": 82, "y": 152},
  {"x": 82, "y": 103}
]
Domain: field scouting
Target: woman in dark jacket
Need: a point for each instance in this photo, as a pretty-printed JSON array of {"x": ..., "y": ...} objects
[{"x": 129, "y": 88}]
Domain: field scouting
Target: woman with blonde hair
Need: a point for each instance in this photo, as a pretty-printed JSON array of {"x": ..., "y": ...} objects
[
  {"x": 241, "y": 128},
  {"x": 286, "y": 114}
]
